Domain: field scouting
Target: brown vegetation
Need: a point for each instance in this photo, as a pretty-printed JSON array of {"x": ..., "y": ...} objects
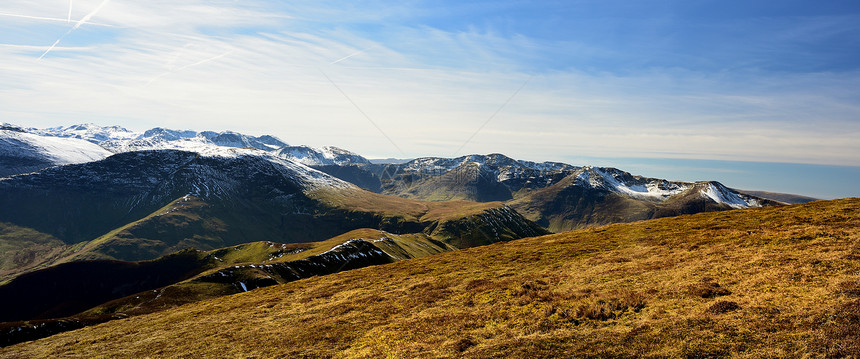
[{"x": 771, "y": 282}]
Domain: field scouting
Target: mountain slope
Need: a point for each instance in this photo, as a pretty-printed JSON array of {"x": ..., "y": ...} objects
[
  {"x": 85, "y": 201},
  {"x": 598, "y": 196},
  {"x": 25, "y": 249},
  {"x": 748, "y": 283},
  {"x": 22, "y": 152},
  {"x": 558, "y": 196},
  {"x": 605, "y": 195}
]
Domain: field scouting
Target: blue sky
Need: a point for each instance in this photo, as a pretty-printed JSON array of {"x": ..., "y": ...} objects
[{"x": 652, "y": 85}]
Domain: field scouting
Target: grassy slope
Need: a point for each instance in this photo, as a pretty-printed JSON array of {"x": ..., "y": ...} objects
[
  {"x": 260, "y": 253},
  {"x": 26, "y": 249},
  {"x": 188, "y": 222},
  {"x": 775, "y": 282},
  {"x": 407, "y": 209}
]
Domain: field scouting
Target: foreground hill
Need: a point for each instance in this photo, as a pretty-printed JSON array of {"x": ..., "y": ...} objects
[{"x": 767, "y": 282}]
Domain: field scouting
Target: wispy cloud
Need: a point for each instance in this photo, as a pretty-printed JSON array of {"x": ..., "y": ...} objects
[
  {"x": 201, "y": 62},
  {"x": 51, "y": 19},
  {"x": 425, "y": 86}
]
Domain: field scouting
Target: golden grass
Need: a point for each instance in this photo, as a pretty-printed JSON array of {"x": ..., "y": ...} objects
[
  {"x": 260, "y": 253},
  {"x": 408, "y": 209},
  {"x": 645, "y": 289}
]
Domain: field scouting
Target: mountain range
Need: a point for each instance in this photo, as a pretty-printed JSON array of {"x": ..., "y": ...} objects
[{"x": 195, "y": 215}]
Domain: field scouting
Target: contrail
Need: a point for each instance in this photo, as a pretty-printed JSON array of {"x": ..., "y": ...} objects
[
  {"x": 33, "y": 47},
  {"x": 77, "y": 25},
  {"x": 351, "y": 55},
  {"x": 492, "y": 116},
  {"x": 187, "y": 66},
  {"x": 90, "y": 15},
  {"x": 50, "y": 19},
  {"x": 69, "y": 19},
  {"x": 205, "y": 61},
  {"x": 362, "y": 112}
]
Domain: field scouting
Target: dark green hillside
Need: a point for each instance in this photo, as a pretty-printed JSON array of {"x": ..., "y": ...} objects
[
  {"x": 142, "y": 205},
  {"x": 25, "y": 249},
  {"x": 77, "y": 203},
  {"x": 70, "y": 288}
]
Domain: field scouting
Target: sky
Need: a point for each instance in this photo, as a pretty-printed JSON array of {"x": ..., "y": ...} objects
[{"x": 757, "y": 94}]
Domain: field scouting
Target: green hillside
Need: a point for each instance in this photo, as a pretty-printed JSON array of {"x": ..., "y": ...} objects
[
  {"x": 768, "y": 282},
  {"x": 25, "y": 249}
]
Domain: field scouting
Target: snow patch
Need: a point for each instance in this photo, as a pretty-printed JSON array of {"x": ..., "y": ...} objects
[
  {"x": 58, "y": 151},
  {"x": 721, "y": 194}
]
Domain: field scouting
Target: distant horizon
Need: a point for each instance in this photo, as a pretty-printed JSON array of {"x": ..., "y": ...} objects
[{"x": 734, "y": 81}]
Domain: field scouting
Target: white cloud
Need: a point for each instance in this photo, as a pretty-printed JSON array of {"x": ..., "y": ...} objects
[{"x": 248, "y": 67}]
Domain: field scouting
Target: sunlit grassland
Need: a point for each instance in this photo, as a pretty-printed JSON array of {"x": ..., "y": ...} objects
[{"x": 768, "y": 282}]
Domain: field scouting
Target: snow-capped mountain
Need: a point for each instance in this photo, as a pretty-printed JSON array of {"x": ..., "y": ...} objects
[
  {"x": 22, "y": 152},
  {"x": 615, "y": 180},
  {"x": 546, "y": 187},
  {"x": 83, "y": 201},
  {"x": 556, "y": 195},
  {"x": 161, "y": 138},
  {"x": 235, "y": 139},
  {"x": 435, "y": 165},
  {"x": 326, "y": 156},
  {"x": 427, "y": 175},
  {"x": 90, "y": 132},
  {"x": 118, "y": 140}
]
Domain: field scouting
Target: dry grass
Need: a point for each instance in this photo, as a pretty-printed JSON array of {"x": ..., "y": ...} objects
[
  {"x": 408, "y": 209},
  {"x": 772, "y": 282}
]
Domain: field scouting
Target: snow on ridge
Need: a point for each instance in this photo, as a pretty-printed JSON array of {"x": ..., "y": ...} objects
[
  {"x": 720, "y": 194},
  {"x": 325, "y": 156},
  {"x": 57, "y": 150},
  {"x": 658, "y": 189},
  {"x": 351, "y": 250},
  {"x": 341, "y": 156},
  {"x": 89, "y": 132},
  {"x": 439, "y": 165},
  {"x": 640, "y": 187},
  {"x": 308, "y": 177},
  {"x": 119, "y": 139}
]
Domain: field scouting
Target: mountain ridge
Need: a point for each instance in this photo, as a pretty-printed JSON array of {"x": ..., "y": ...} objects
[{"x": 525, "y": 185}]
